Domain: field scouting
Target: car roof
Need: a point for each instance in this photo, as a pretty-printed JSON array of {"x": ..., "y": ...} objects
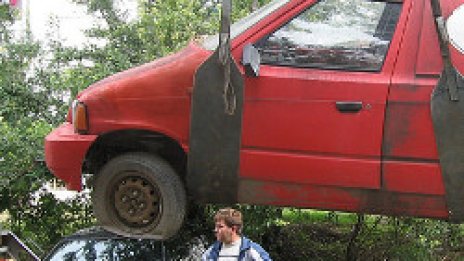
[{"x": 92, "y": 232}]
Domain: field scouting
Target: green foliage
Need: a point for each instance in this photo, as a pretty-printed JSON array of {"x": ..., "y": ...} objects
[
  {"x": 244, "y": 7},
  {"x": 22, "y": 117},
  {"x": 316, "y": 241},
  {"x": 45, "y": 219},
  {"x": 21, "y": 150},
  {"x": 26, "y": 116},
  {"x": 322, "y": 235},
  {"x": 172, "y": 23},
  {"x": 6, "y": 19}
]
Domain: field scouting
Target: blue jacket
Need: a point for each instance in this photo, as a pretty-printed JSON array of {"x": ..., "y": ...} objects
[{"x": 249, "y": 251}]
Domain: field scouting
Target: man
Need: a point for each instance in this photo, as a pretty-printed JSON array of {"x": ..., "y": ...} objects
[{"x": 230, "y": 244}]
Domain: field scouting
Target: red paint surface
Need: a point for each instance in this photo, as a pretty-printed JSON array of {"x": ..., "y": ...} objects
[
  {"x": 407, "y": 177},
  {"x": 298, "y": 149},
  {"x": 154, "y": 96},
  {"x": 65, "y": 152},
  {"x": 312, "y": 169},
  {"x": 343, "y": 199}
]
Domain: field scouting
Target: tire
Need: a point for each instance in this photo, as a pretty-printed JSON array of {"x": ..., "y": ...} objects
[{"x": 139, "y": 195}]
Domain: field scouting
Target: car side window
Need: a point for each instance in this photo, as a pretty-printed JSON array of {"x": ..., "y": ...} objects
[{"x": 351, "y": 35}]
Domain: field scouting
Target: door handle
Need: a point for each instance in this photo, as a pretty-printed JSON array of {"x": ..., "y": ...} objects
[{"x": 349, "y": 106}]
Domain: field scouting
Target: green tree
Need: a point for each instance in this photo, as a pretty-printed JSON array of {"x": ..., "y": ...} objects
[
  {"x": 27, "y": 114},
  {"x": 21, "y": 123}
]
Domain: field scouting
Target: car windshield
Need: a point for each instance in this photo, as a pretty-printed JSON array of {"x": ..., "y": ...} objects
[{"x": 211, "y": 42}]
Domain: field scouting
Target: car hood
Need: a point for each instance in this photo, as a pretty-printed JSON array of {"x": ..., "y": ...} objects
[{"x": 170, "y": 75}]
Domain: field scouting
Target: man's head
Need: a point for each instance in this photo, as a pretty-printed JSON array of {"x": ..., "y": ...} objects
[{"x": 228, "y": 225}]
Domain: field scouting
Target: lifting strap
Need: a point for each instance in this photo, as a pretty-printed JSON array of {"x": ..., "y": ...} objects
[
  {"x": 216, "y": 123},
  {"x": 444, "y": 50},
  {"x": 448, "y": 123}
]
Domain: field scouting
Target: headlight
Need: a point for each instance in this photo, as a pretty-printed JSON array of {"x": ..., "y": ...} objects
[{"x": 80, "y": 119}]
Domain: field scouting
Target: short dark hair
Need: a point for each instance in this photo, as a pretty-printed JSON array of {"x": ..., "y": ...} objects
[{"x": 231, "y": 218}]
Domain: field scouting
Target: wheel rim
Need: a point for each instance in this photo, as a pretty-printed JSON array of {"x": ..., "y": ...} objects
[{"x": 137, "y": 201}]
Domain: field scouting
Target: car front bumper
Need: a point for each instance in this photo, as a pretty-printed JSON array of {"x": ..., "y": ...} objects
[{"x": 65, "y": 153}]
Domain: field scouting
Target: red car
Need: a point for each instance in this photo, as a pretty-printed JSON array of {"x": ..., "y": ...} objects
[{"x": 338, "y": 117}]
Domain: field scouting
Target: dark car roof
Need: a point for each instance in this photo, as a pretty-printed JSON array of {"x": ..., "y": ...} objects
[{"x": 93, "y": 232}]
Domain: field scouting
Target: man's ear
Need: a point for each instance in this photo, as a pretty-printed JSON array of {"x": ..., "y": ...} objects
[{"x": 235, "y": 229}]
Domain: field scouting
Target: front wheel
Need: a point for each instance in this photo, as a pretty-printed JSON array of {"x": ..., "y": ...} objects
[{"x": 139, "y": 195}]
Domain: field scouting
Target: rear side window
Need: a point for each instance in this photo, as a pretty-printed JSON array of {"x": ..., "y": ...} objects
[{"x": 349, "y": 35}]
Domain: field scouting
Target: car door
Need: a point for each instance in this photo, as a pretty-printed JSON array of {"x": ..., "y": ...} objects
[{"x": 315, "y": 113}]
